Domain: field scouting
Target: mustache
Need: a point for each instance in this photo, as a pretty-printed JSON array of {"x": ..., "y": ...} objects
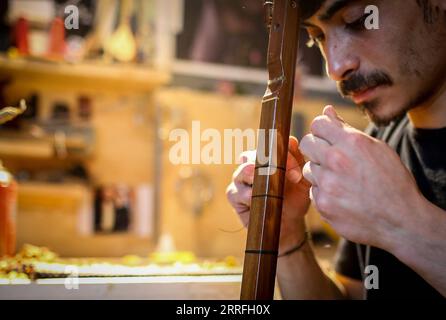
[{"x": 358, "y": 82}]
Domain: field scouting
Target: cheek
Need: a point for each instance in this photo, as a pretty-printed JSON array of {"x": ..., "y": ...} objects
[
  {"x": 410, "y": 62},
  {"x": 390, "y": 103},
  {"x": 395, "y": 99}
]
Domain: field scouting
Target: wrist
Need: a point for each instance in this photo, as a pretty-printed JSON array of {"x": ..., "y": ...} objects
[
  {"x": 291, "y": 234},
  {"x": 298, "y": 246},
  {"x": 418, "y": 231}
]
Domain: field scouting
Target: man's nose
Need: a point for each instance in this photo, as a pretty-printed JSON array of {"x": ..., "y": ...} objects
[{"x": 340, "y": 62}]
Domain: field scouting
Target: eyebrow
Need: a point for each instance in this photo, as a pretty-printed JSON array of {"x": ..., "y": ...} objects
[
  {"x": 308, "y": 25},
  {"x": 333, "y": 9}
]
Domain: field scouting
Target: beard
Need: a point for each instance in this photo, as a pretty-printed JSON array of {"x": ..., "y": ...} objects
[
  {"x": 358, "y": 82},
  {"x": 371, "y": 108}
]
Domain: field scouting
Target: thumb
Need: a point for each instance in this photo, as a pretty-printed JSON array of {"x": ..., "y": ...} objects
[
  {"x": 247, "y": 156},
  {"x": 293, "y": 148},
  {"x": 330, "y": 112},
  {"x": 295, "y": 161}
]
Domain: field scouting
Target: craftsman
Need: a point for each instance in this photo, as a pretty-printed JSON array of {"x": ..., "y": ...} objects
[{"x": 383, "y": 191}]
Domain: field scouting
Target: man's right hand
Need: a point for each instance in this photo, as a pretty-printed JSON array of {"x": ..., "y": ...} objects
[{"x": 296, "y": 194}]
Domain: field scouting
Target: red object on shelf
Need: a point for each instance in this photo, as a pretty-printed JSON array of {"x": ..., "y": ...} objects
[
  {"x": 8, "y": 206},
  {"x": 21, "y": 32},
  {"x": 57, "y": 43}
]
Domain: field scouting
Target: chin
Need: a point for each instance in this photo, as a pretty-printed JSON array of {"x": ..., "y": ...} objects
[
  {"x": 381, "y": 114},
  {"x": 379, "y": 120}
]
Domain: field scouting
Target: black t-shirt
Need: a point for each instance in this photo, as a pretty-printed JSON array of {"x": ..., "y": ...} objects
[{"x": 423, "y": 151}]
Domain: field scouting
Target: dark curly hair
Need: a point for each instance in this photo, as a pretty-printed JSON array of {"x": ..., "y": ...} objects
[
  {"x": 310, "y": 7},
  {"x": 430, "y": 12}
]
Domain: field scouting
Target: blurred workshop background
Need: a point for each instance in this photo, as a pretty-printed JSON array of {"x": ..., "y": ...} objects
[{"x": 104, "y": 83}]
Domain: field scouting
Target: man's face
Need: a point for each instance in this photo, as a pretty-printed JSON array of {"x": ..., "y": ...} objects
[{"x": 388, "y": 71}]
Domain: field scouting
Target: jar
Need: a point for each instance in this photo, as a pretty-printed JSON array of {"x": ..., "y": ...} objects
[{"x": 8, "y": 206}]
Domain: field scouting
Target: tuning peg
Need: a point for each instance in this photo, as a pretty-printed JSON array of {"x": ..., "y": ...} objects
[{"x": 268, "y": 12}]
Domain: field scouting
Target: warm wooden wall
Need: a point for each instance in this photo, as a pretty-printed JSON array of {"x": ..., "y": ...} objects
[{"x": 124, "y": 153}]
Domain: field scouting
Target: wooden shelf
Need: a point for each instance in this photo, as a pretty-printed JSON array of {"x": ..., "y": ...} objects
[
  {"x": 83, "y": 75},
  {"x": 33, "y": 195},
  {"x": 23, "y": 145},
  {"x": 32, "y": 148}
]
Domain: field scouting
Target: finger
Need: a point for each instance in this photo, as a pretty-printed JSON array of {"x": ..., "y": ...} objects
[
  {"x": 315, "y": 148},
  {"x": 316, "y": 173},
  {"x": 293, "y": 148},
  {"x": 293, "y": 172},
  {"x": 240, "y": 200},
  {"x": 313, "y": 191},
  {"x": 239, "y": 197},
  {"x": 328, "y": 129},
  {"x": 293, "y": 144},
  {"x": 244, "y": 174},
  {"x": 244, "y": 217},
  {"x": 244, "y": 196},
  {"x": 331, "y": 112},
  {"x": 306, "y": 171},
  {"x": 247, "y": 156},
  {"x": 312, "y": 172},
  {"x": 295, "y": 161}
]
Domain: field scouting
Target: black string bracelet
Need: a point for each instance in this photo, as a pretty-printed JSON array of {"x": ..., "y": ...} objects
[{"x": 307, "y": 237}]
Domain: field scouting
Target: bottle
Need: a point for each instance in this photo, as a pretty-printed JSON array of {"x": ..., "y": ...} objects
[
  {"x": 57, "y": 45},
  {"x": 8, "y": 206},
  {"x": 21, "y": 34}
]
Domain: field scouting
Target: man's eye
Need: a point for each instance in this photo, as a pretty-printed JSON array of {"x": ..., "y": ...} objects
[
  {"x": 315, "y": 40},
  {"x": 358, "y": 24}
]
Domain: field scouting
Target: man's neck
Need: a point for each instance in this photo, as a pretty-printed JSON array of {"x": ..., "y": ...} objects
[{"x": 431, "y": 115}]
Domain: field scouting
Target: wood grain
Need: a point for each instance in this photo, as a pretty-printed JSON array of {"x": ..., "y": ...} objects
[{"x": 266, "y": 205}]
